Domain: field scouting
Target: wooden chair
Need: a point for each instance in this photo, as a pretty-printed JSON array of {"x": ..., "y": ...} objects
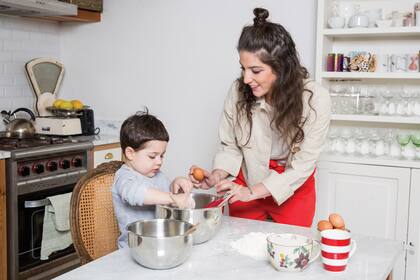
[{"x": 93, "y": 224}]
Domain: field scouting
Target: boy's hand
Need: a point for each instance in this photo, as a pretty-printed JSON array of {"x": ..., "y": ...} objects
[
  {"x": 183, "y": 184},
  {"x": 183, "y": 201}
]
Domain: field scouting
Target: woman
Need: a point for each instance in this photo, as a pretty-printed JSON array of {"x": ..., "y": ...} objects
[{"x": 272, "y": 130}]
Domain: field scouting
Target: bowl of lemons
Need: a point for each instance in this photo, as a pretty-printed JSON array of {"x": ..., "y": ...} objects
[{"x": 66, "y": 108}]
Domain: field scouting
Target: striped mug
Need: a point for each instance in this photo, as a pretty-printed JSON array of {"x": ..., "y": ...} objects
[{"x": 337, "y": 247}]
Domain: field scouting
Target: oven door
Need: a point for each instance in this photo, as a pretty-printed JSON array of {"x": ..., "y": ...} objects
[{"x": 31, "y": 209}]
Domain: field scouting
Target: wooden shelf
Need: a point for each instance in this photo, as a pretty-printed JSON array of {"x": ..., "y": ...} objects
[
  {"x": 371, "y": 75},
  {"x": 384, "y": 161},
  {"x": 373, "y": 32},
  {"x": 376, "y": 119},
  {"x": 82, "y": 16}
]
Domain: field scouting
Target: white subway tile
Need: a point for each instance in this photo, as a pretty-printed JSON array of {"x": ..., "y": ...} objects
[
  {"x": 14, "y": 68},
  {"x": 13, "y": 92},
  {"x": 21, "y": 80},
  {"x": 19, "y": 23},
  {"x": 20, "y": 35},
  {"x": 5, "y": 33},
  {"x": 49, "y": 27},
  {"x": 27, "y": 91},
  {"x": 6, "y": 80},
  {"x": 37, "y": 36},
  {"x": 23, "y": 102},
  {"x": 22, "y": 56},
  {"x": 5, "y": 56},
  {"x": 5, "y": 104},
  {"x": 13, "y": 45}
]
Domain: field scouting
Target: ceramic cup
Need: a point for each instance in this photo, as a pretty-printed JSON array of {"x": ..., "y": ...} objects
[
  {"x": 337, "y": 247},
  {"x": 359, "y": 20},
  {"x": 336, "y": 22},
  {"x": 291, "y": 252}
]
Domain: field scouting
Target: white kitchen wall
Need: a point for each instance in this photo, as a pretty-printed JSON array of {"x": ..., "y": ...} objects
[
  {"x": 20, "y": 41},
  {"x": 176, "y": 57}
]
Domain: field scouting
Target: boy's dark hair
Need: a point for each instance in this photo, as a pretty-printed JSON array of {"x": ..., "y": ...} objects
[{"x": 141, "y": 128}]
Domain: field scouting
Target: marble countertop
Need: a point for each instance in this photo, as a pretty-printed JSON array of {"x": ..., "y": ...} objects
[
  {"x": 4, "y": 154},
  {"x": 216, "y": 259},
  {"x": 101, "y": 139}
]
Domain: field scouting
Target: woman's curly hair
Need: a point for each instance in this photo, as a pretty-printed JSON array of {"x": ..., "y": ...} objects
[{"x": 274, "y": 46}]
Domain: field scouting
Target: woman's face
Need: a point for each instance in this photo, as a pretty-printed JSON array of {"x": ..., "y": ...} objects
[{"x": 258, "y": 75}]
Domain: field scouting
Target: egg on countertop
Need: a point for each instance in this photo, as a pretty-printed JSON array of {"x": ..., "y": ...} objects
[
  {"x": 337, "y": 221},
  {"x": 323, "y": 225}
]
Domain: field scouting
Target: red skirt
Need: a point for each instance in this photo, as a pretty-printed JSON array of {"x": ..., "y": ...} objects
[{"x": 299, "y": 209}]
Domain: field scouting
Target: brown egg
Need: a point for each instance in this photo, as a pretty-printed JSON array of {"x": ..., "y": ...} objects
[
  {"x": 337, "y": 221},
  {"x": 198, "y": 174},
  {"x": 323, "y": 225}
]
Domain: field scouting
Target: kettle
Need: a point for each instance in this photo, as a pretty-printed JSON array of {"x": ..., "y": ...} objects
[{"x": 19, "y": 127}]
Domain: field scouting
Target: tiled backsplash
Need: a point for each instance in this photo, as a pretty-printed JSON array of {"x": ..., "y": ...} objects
[{"x": 20, "y": 41}]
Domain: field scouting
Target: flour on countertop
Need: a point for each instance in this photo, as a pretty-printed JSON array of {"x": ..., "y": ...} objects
[{"x": 253, "y": 244}]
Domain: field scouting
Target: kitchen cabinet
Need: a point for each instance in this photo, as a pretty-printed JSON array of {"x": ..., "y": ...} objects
[
  {"x": 3, "y": 231},
  {"x": 413, "y": 239},
  {"x": 106, "y": 153},
  {"x": 82, "y": 16}
]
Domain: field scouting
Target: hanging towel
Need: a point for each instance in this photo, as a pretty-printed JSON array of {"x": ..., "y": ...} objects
[{"x": 56, "y": 233}]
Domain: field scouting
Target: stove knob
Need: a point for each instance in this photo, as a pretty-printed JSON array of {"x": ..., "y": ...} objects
[
  {"x": 64, "y": 163},
  {"x": 52, "y": 166},
  {"x": 24, "y": 170},
  {"x": 76, "y": 162},
  {"x": 38, "y": 168}
]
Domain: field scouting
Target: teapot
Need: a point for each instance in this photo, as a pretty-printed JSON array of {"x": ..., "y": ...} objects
[{"x": 19, "y": 127}]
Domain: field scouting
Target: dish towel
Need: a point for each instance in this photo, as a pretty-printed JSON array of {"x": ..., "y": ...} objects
[{"x": 56, "y": 233}]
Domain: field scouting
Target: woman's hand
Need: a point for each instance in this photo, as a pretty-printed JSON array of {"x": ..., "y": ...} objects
[
  {"x": 210, "y": 179},
  {"x": 181, "y": 183},
  {"x": 240, "y": 193}
]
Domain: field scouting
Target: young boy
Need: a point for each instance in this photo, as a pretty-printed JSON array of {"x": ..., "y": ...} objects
[{"x": 139, "y": 184}]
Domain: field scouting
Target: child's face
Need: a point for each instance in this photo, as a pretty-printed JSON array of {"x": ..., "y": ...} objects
[{"x": 148, "y": 160}]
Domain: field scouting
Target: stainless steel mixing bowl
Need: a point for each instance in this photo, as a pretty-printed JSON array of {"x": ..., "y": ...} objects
[
  {"x": 208, "y": 220},
  {"x": 159, "y": 243}
]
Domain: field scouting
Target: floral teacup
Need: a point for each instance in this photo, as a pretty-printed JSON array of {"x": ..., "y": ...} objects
[{"x": 291, "y": 252}]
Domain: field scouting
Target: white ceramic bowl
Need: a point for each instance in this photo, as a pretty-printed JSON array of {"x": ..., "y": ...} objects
[{"x": 291, "y": 252}]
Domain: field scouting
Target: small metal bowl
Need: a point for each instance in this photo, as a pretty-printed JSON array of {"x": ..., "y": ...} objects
[
  {"x": 159, "y": 243},
  {"x": 208, "y": 220}
]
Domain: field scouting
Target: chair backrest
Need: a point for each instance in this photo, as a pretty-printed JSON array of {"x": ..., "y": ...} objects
[{"x": 94, "y": 228}]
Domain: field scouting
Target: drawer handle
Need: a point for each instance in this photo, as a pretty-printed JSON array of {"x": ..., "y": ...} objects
[{"x": 109, "y": 156}]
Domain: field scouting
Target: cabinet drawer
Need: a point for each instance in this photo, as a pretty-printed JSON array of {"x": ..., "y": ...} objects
[{"x": 107, "y": 155}]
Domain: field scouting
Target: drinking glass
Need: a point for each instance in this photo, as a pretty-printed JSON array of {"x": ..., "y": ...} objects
[
  {"x": 403, "y": 138},
  {"x": 415, "y": 138}
]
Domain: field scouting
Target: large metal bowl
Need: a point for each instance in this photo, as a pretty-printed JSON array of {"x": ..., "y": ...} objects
[
  {"x": 208, "y": 219},
  {"x": 159, "y": 243}
]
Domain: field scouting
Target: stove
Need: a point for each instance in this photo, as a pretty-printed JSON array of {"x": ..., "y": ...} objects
[
  {"x": 11, "y": 143},
  {"x": 39, "y": 167}
]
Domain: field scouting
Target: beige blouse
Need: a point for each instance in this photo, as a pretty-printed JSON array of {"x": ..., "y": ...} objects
[{"x": 255, "y": 155}]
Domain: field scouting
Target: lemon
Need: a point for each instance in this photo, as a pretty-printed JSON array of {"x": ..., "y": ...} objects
[
  {"x": 57, "y": 103},
  {"x": 77, "y": 104},
  {"x": 66, "y": 105}
]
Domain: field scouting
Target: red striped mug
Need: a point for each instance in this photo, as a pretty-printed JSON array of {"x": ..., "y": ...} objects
[{"x": 337, "y": 247}]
